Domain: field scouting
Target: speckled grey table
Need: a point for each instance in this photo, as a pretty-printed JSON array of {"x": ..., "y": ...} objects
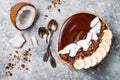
[{"x": 109, "y": 69}]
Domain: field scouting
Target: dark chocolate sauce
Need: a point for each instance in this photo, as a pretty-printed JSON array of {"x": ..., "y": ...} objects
[{"x": 75, "y": 28}]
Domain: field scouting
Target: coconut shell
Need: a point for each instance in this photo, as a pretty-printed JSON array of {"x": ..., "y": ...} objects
[
  {"x": 61, "y": 27},
  {"x": 15, "y": 9}
]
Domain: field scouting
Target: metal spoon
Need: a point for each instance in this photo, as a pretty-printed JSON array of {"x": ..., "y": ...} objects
[
  {"x": 43, "y": 33},
  {"x": 52, "y": 27}
]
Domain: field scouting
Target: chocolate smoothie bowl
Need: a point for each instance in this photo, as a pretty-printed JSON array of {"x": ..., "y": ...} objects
[{"x": 84, "y": 40}]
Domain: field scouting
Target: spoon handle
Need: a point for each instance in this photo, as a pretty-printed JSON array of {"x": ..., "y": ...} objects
[
  {"x": 52, "y": 60},
  {"x": 48, "y": 52},
  {"x": 50, "y": 40}
]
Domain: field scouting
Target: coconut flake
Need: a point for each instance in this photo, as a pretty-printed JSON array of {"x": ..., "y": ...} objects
[
  {"x": 77, "y": 48},
  {"x": 33, "y": 41},
  {"x": 96, "y": 29},
  {"x": 94, "y": 22},
  {"x": 72, "y": 52},
  {"x": 68, "y": 48},
  {"x": 86, "y": 46},
  {"x": 63, "y": 51},
  {"x": 94, "y": 37},
  {"x": 81, "y": 42},
  {"x": 17, "y": 41}
]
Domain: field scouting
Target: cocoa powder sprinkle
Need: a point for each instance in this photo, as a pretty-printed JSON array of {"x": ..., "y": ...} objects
[
  {"x": 10, "y": 74},
  {"x": 58, "y": 10},
  {"x": 16, "y": 58},
  {"x": 46, "y": 15},
  {"x": 23, "y": 65},
  {"x": 26, "y": 68},
  {"x": 16, "y": 51}
]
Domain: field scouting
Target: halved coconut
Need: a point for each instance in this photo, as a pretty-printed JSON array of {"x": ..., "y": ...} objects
[{"x": 23, "y": 15}]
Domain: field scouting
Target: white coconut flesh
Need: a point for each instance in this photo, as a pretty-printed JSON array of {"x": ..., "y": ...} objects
[{"x": 25, "y": 17}]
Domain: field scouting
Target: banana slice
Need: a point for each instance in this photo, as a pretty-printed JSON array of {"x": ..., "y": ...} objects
[
  {"x": 105, "y": 46},
  {"x": 87, "y": 62},
  {"x": 106, "y": 40},
  {"x": 93, "y": 61},
  {"x": 108, "y": 34},
  {"x": 98, "y": 56},
  {"x": 102, "y": 51},
  {"x": 79, "y": 64},
  {"x": 107, "y": 37}
]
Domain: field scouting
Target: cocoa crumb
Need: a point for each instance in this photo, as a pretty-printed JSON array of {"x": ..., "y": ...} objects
[
  {"x": 29, "y": 60},
  {"x": 7, "y": 67},
  {"x": 29, "y": 49},
  {"x": 9, "y": 64},
  {"x": 59, "y": 10},
  {"x": 16, "y": 52},
  {"x": 46, "y": 15},
  {"x": 10, "y": 74},
  {"x": 49, "y": 7},
  {"x": 16, "y": 58},
  {"x": 25, "y": 58},
  {"x": 54, "y": 4},
  {"x": 26, "y": 68},
  {"x": 26, "y": 53},
  {"x": 23, "y": 65}
]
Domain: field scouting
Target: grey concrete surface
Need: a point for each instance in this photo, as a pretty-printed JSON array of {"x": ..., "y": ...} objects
[{"x": 109, "y": 69}]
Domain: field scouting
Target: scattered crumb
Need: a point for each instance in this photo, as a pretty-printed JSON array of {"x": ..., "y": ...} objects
[
  {"x": 16, "y": 51},
  {"x": 25, "y": 58},
  {"x": 10, "y": 74},
  {"x": 29, "y": 49},
  {"x": 49, "y": 8},
  {"x": 14, "y": 56},
  {"x": 26, "y": 68},
  {"x": 54, "y": 3},
  {"x": 6, "y": 67},
  {"x": 59, "y": 10},
  {"x": 23, "y": 65},
  {"x": 46, "y": 15},
  {"x": 15, "y": 59},
  {"x": 29, "y": 60}
]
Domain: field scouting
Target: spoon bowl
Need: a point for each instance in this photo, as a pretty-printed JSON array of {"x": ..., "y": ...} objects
[
  {"x": 43, "y": 33},
  {"x": 52, "y": 25}
]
